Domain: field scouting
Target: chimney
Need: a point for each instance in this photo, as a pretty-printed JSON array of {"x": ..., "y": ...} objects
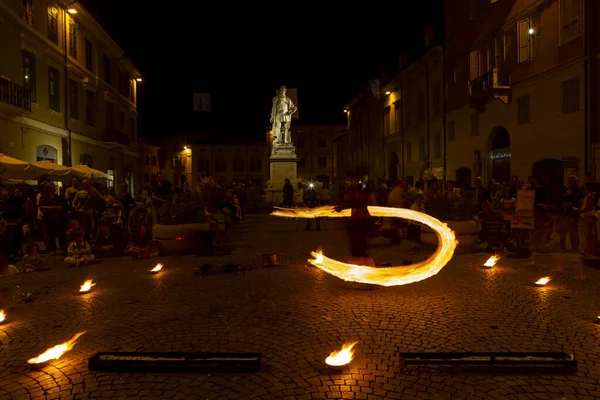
[{"x": 429, "y": 36}]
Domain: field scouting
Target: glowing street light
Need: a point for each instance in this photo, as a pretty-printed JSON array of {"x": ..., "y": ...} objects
[
  {"x": 139, "y": 79},
  {"x": 388, "y": 92},
  {"x": 72, "y": 11},
  {"x": 531, "y": 31}
]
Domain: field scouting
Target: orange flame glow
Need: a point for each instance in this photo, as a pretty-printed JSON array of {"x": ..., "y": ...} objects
[
  {"x": 342, "y": 357},
  {"x": 54, "y": 353},
  {"x": 542, "y": 281},
  {"x": 2, "y": 316},
  {"x": 157, "y": 268},
  {"x": 392, "y": 276},
  {"x": 491, "y": 261},
  {"x": 87, "y": 285}
]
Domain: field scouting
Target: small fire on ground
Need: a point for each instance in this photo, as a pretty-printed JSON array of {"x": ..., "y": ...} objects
[
  {"x": 2, "y": 316},
  {"x": 87, "y": 285},
  {"x": 158, "y": 267},
  {"x": 542, "y": 281},
  {"x": 54, "y": 353},
  {"x": 342, "y": 357},
  {"x": 491, "y": 261}
]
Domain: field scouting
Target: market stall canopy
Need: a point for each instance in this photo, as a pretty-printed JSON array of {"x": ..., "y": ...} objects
[
  {"x": 11, "y": 168},
  {"x": 85, "y": 172},
  {"x": 53, "y": 171}
]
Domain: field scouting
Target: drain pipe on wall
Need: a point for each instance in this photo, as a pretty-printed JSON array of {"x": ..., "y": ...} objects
[
  {"x": 66, "y": 79},
  {"x": 427, "y": 111},
  {"x": 444, "y": 116}
]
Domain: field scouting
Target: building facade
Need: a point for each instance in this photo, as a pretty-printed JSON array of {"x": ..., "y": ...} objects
[
  {"x": 314, "y": 148},
  {"x": 517, "y": 89},
  {"x": 148, "y": 162},
  {"x": 67, "y": 93},
  {"x": 226, "y": 163}
]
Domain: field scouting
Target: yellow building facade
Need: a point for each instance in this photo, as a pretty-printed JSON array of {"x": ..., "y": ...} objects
[{"x": 67, "y": 92}]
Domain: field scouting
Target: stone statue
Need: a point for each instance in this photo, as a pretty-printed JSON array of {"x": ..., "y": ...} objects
[{"x": 281, "y": 117}]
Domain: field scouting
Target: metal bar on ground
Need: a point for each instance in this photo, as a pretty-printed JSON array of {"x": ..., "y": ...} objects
[
  {"x": 175, "y": 362},
  {"x": 489, "y": 358}
]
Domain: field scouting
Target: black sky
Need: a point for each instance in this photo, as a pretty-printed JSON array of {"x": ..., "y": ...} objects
[{"x": 241, "y": 55}]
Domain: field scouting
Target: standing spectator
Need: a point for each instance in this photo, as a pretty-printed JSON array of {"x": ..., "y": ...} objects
[
  {"x": 53, "y": 211},
  {"x": 288, "y": 194}
]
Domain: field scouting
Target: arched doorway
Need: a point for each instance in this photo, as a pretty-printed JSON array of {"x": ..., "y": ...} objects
[
  {"x": 550, "y": 174},
  {"x": 499, "y": 155},
  {"x": 393, "y": 167},
  {"x": 463, "y": 178}
]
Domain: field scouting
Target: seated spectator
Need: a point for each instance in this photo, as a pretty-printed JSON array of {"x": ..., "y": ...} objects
[
  {"x": 73, "y": 229},
  {"x": 79, "y": 252},
  {"x": 107, "y": 244},
  {"x": 32, "y": 261}
]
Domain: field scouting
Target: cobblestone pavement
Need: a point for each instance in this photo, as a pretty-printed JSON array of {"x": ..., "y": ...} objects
[{"x": 296, "y": 315}]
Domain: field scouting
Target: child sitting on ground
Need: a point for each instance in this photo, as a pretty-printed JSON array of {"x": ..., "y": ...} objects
[
  {"x": 73, "y": 229},
  {"x": 32, "y": 261},
  {"x": 79, "y": 252}
]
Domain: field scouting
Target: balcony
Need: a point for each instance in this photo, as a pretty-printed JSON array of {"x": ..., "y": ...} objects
[
  {"x": 488, "y": 87},
  {"x": 114, "y": 136},
  {"x": 14, "y": 94}
]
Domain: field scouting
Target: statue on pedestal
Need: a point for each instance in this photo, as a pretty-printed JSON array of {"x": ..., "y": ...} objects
[{"x": 281, "y": 117}]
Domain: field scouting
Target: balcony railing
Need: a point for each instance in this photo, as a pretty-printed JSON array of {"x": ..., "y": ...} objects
[
  {"x": 123, "y": 138},
  {"x": 14, "y": 94},
  {"x": 488, "y": 85}
]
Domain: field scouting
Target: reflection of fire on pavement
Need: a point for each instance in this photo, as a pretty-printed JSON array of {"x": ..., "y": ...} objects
[
  {"x": 391, "y": 276},
  {"x": 54, "y": 353},
  {"x": 342, "y": 357}
]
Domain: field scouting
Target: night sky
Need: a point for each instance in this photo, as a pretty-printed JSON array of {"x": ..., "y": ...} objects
[{"x": 242, "y": 55}]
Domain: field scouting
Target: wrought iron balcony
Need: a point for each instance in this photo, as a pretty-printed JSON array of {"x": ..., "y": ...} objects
[
  {"x": 15, "y": 94},
  {"x": 486, "y": 88},
  {"x": 123, "y": 138}
]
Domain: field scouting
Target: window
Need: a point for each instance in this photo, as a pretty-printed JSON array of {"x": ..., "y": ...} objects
[
  {"x": 220, "y": 164},
  {"x": 153, "y": 160},
  {"x": 451, "y": 131},
  {"x": 408, "y": 151},
  {"x": 398, "y": 116},
  {"x": 111, "y": 177},
  {"x": 322, "y": 162},
  {"x": 499, "y": 53},
  {"x": 239, "y": 164},
  {"x": 121, "y": 121},
  {"x": 53, "y": 89},
  {"x": 110, "y": 119},
  {"x": 146, "y": 159},
  {"x": 570, "y": 17},
  {"x": 570, "y": 95},
  {"x": 421, "y": 107},
  {"x": 422, "y": 152},
  {"x": 409, "y": 115},
  {"x": 132, "y": 126},
  {"x": 473, "y": 9},
  {"x": 53, "y": 23},
  {"x": 386, "y": 121},
  {"x": 255, "y": 164},
  {"x": 302, "y": 162},
  {"x": 474, "y": 65},
  {"x": 85, "y": 159},
  {"x": 107, "y": 64},
  {"x": 73, "y": 99},
  {"x": 29, "y": 73},
  {"x": 88, "y": 55},
  {"x": 475, "y": 124},
  {"x": 524, "y": 39},
  {"x": 322, "y": 143},
  {"x": 131, "y": 91},
  {"x": 73, "y": 39},
  {"x": 90, "y": 108},
  {"x": 437, "y": 145},
  {"x": 27, "y": 11},
  {"x": 300, "y": 143},
  {"x": 523, "y": 110},
  {"x": 436, "y": 100}
]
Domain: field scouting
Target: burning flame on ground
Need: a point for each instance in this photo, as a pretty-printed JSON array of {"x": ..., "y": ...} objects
[
  {"x": 87, "y": 285},
  {"x": 157, "y": 268},
  {"x": 542, "y": 281},
  {"x": 491, "y": 261},
  {"x": 342, "y": 357},
  {"x": 392, "y": 276},
  {"x": 2, "y": 316},
  {"x": 54, "y": 353}
]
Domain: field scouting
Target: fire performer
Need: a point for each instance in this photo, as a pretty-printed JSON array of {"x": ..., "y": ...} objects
[{"x": 359, "y": 225}]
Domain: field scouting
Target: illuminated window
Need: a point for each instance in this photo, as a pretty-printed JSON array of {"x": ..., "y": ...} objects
[
  {"x": 524, "y": 38},
  {"x": 53, "y": 23}
]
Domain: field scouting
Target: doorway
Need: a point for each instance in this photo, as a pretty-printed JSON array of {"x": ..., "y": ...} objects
[
  {"x": 393, "y": 167},
  {"x": 499, "y": 155},
  {"x": 463, "y": 178}
]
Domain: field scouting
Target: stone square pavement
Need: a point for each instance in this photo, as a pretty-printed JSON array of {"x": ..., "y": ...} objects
[{"x": 295, "y": 315}]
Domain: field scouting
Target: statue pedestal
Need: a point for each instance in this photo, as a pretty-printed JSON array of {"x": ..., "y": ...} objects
[{"x": 283, "y": 165}]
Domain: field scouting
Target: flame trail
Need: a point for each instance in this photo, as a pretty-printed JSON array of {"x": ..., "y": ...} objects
[{"x": 392, "y": 276}]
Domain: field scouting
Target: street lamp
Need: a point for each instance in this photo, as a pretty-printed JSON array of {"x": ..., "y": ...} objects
[
  {"x": 139, "y": 79},
  {"x": 72, "y": 11}
]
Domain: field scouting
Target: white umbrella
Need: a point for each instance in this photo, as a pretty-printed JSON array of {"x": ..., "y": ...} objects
[
  {"x": 53, "y": 171},
  {"x": 85, "y": 172},
  {"x": 11, "y": 168}
]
